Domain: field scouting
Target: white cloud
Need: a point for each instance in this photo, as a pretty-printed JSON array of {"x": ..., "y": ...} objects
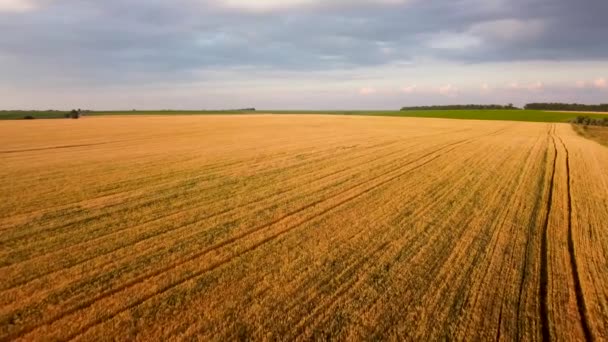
[
  {"x": 600, "y": 83},
  {"x": 367, "y": 91},
  {"x": 485, "y": 87},
  {"x": 448, "y": 90},
  {"x": 265, "y": 5},
  {"x": 534, "y": 86},
  {"x": 17, "y": 5},
  {"x": 281, "y": 5},
  {"x": 409, "y": 89},
  {"x": 514, "y": 85}
]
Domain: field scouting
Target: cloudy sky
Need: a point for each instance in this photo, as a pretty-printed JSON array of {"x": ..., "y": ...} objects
[{"x": 300, "y": 54}]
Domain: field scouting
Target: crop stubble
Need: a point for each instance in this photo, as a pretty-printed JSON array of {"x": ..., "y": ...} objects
[{"x": 301, "y": 227}]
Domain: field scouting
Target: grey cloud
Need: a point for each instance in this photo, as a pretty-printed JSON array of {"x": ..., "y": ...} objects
[{"x": 139, "y": 40}]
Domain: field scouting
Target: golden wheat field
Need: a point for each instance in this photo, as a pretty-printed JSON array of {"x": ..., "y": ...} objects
[{"x": 301, "y": 227}]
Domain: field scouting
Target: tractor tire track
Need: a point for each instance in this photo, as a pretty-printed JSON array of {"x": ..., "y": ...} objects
[
  {"x": 544, "y": 272},
  {"x": 580, "y": 298},
  {"x": 61, "y": 147},
  {"x": 531, "y": 232}
]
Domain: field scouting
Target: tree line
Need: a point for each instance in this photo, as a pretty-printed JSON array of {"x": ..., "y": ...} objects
[
  {"x": 568, "y": 107},
  {"x": 461, "y": 107},
  {"x": 532, "y": 106}
]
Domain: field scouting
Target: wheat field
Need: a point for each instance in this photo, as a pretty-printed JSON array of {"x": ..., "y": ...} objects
[{"x": 300, "y": 227}]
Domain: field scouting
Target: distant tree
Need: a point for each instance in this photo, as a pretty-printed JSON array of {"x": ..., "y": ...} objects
[
  {"x": 461, "y": 107},
  {"x": 568, "y": 107}
]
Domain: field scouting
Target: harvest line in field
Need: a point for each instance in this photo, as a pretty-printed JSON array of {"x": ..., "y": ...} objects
[
  {"x": 580, "y": 298},
  {"x": 544, "y": 278}
]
